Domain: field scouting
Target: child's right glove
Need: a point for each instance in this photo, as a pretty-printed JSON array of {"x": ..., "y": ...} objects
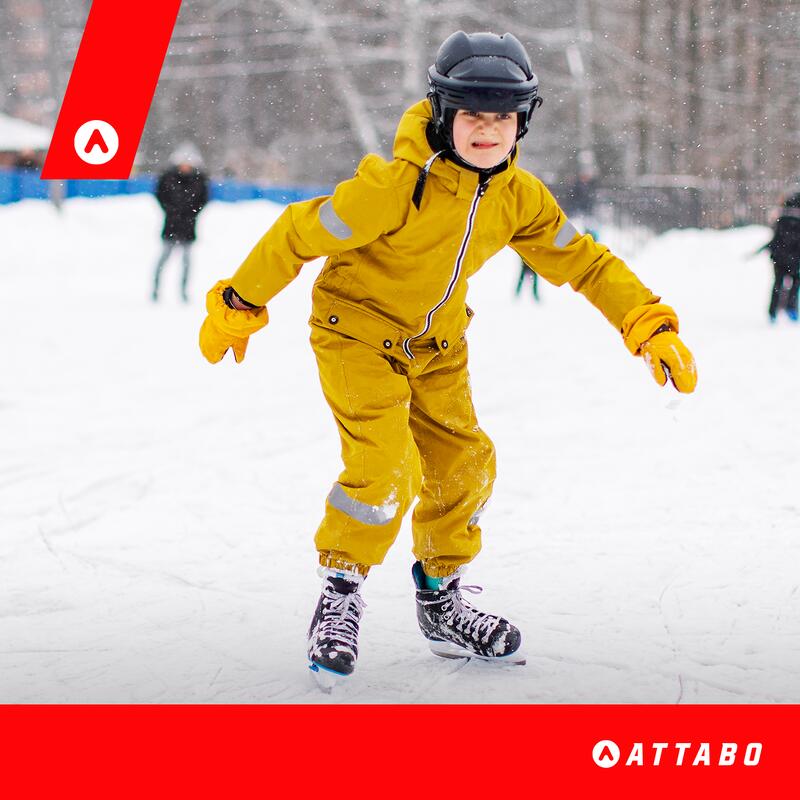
[
  {"x": 651, "y": 331},
  {"x": 226, "y": 326}
]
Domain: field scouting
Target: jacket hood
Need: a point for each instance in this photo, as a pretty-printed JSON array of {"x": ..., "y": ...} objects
[
  {"x": 411, "y": 144},
  {"x": 410, "y": 141}
]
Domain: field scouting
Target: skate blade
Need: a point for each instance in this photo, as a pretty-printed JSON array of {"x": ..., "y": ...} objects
[
  {"x": 326, "y": 679},
  {"x": 451, "y": 650}
]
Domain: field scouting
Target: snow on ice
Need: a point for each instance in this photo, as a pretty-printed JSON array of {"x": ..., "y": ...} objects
[{"x": 157, "y": 513}]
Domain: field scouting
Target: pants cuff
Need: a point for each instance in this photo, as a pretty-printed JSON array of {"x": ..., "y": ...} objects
[
  {"x": 333, "y": 561},
  {"x": 443, "y": 567}
]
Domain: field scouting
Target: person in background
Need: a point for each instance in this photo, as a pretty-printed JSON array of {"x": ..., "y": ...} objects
[
  {"x": 784, "y": 250},
  {"x": 27, "y": 160},
  {"x": 527, "y": 272},
  {"x": 182, "y": 192},
  {"x": 582, "y": 199}
]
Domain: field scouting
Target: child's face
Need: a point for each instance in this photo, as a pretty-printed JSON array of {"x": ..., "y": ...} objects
[{"x": 484, "y": 138}]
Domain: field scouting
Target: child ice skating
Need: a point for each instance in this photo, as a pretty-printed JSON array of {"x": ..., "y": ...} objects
[{"x": 388, "y": 329}]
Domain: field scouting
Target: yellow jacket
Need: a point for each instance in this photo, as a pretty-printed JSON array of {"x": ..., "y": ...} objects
[{"x": 395, "y": 274}]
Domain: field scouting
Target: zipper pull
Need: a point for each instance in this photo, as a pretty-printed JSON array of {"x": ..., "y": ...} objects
[{"x": 483, "y": 186}]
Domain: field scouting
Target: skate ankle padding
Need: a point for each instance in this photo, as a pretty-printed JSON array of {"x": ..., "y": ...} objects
[
  {"x": 424, "y": 581},
  {"x": 432, "y": 583}
]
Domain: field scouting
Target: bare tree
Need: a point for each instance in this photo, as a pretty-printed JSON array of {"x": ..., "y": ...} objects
[{"x": 693, "y": 93}]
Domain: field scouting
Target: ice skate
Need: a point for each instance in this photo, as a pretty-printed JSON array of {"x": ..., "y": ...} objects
[
  {"x": 333, "y": 634},
  {"x": 454, "y": 629}
]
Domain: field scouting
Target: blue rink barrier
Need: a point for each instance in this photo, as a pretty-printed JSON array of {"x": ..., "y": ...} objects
[
  {"x": 19, "y": 184},
  {"x": 16, "y": 185}
]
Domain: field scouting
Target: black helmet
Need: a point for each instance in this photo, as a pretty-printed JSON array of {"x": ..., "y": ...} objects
[{"x": 482, "y": 72}]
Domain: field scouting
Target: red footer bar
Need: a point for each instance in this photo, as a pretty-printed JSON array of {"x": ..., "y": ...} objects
[{"x": 398, "y": 751}]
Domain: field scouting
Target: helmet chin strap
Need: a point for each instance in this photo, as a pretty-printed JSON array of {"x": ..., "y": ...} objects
[{"x": 485, "y": 169}]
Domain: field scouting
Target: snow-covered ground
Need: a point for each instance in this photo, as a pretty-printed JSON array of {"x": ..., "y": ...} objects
[{"x": 157, "y": 513}]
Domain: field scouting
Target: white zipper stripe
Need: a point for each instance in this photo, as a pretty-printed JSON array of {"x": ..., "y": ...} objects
[{"x": 456, "y": 270}]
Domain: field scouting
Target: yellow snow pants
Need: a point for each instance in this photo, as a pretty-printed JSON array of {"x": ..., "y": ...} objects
[{"x": 408, "y": 428}]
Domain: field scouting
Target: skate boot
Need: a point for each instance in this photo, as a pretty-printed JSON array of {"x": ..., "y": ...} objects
[
  {"x": 454, "y": 629},
  {"x": 333, "y": 635}
]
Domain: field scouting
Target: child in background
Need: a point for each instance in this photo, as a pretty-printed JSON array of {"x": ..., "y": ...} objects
[
  {"x": 388, "y": 330},
  {"x": 527, "y": 272},
  {"x": 784, "y": 250}
]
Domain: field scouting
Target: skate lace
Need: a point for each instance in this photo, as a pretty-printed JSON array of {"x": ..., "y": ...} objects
[
  {"x": 468, "y": 619},
  {"x": 341, "y": 615}
]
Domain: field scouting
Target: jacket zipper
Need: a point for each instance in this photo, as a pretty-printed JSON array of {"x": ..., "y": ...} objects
[{"x": 462, "y": 251}]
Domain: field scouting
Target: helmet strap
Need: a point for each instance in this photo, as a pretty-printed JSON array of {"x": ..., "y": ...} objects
[{"x": 452, "y": 155}]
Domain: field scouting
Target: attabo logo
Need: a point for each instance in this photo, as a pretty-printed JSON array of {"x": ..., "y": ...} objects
[
  {"x": 96, "y": 142},
  {"x": 607, "y": 753}
]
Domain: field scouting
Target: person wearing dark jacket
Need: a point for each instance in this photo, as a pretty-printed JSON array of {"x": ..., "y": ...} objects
[
  {"x": 27, "y": 161},
  {"x": 182, "y": 192},
  {"x": 784, "y": 250},
  {"x": 582, "y": 194}
]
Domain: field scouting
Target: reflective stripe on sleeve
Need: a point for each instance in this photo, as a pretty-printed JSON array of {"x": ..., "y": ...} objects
[
  {"x": 332, "y": 222},
  {"x": 566, "y": 234}
]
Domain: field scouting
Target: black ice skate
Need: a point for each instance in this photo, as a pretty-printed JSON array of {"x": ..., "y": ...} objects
[
  {"x": 333, "y": 635},
  {"x": 454, "y": 629}
]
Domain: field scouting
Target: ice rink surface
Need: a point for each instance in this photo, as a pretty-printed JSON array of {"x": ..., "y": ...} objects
[{"x": 157, "y": 513}]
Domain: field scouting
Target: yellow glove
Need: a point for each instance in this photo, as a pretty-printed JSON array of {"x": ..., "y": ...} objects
[
  {"x": 667, "y": 356},
  {"x": 226, "y": 327},
  {"x": 651, "y": 331}
]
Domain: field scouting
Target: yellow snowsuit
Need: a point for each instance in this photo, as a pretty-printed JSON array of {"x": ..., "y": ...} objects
[{"x": 388, "y": 324}]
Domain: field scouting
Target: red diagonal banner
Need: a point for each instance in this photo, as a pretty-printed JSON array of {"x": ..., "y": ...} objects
[{"x": 110, "y": 89}]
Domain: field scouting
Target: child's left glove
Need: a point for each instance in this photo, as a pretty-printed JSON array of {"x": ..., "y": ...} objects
[
  {"x": 226, "y": 327},
  {"x": 651, "y": 331},
  {"x": 667, "y": 356}
]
